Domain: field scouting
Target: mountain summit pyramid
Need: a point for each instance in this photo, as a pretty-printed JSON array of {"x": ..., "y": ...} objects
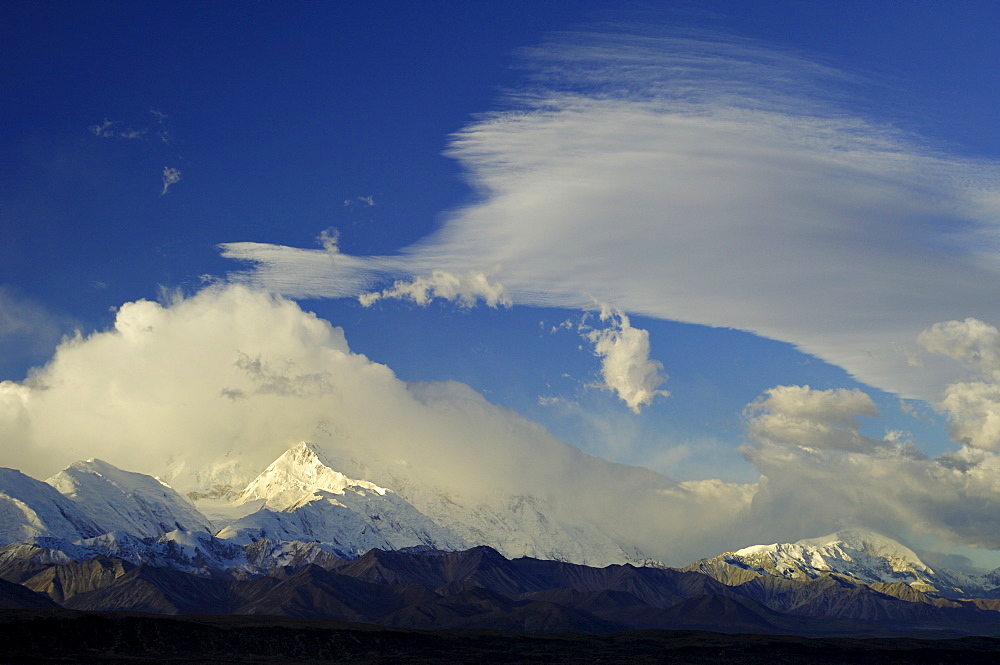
[{"x": 299, "y": 475}]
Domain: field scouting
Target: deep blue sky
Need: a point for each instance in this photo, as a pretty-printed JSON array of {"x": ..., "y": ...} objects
[{"x": 284, "y": 117}]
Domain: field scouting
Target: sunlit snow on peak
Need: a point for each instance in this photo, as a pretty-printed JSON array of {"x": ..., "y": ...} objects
[{"x": 298, "y": 474}]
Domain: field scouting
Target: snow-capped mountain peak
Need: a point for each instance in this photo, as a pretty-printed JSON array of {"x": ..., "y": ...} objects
[
  {"x": 843, "y": 543},
  {"x": 125, "y": 500},
  {"x": 298, "y": 475},
  {"x": 860, "y": 555},
  {"x": 304, "y": 499},
  {"x": 863, "y": 555},
  {"x": 30, "y": 508}
]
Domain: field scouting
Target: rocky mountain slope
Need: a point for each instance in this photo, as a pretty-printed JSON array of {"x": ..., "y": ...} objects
[{"x": 479, "y": 588}]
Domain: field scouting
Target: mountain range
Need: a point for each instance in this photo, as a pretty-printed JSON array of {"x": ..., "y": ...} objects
[{"x": 303, "y": 539}]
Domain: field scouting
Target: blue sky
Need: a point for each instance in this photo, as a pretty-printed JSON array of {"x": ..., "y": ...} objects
[{"x": 573, "y": 154}]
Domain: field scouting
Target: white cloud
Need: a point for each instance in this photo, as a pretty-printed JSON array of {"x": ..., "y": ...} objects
[
  {"x": 626, "y": 368},
  {"x": 113, "y": 129},
  {"x": 890, "y": 489},
  {"x": 330, "y": 240},
  {"x": 702, "y": 181},
  {"x": 161, "y": 133},
  {"x": 973, "y": 342},
  {"x": 819, "y": 474},
  {"x": 973, "y": 407},
  {"x": 317, "y": 274},
  {"x": 801, "y": 416},
  {"x": 236, "y": 374},
  {"x": 171, "y": 176},
  {"x": 103, "y": 129},
  {"x": 152, "y": 385},
  {"x": 465, "y": 288}
]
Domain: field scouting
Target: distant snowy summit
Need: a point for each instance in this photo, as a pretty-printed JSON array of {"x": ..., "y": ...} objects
[
  {"x": 863, "y": 555},
  {"x": 854, "y": 554}
]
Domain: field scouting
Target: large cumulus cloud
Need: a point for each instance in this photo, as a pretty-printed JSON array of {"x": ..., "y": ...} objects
[
  {"x": 819, "y": 474},
  {"x": 973, "y": 404},
  {"x": 211, "y": 388}
]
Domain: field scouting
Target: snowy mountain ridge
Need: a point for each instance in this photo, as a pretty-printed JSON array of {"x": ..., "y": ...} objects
[
  {"x": 121, "y": 500},
  {"x": 300, "y": 497},
  {"x": 30, "y": 508},
  {"x": 864, "y": 555},
  {"x": 519, "y": 525},
  {"x": 856, "y": 554},
  {"x": 196, "y": 553}
]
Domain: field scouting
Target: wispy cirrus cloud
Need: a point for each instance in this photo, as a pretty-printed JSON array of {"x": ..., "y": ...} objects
[{"x": 117, "y": 129}]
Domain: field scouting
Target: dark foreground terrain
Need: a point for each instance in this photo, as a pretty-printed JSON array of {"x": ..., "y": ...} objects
[{"x": 62, "y": 636}]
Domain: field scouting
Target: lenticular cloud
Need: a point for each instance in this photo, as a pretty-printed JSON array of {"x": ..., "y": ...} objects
[{"x": 711, "y": 182}]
